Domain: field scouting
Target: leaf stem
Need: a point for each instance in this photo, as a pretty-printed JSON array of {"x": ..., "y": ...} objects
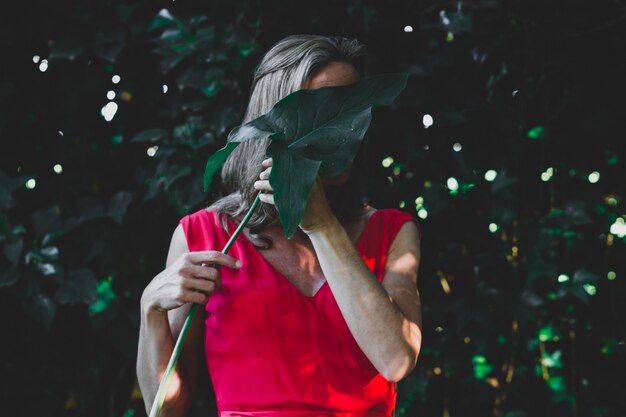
[{"x": 165, "y": 381}]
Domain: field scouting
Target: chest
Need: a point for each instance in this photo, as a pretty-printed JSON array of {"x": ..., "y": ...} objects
[
  {"x": 297, "y": 262},
  {"x": 299, "y": 266}
]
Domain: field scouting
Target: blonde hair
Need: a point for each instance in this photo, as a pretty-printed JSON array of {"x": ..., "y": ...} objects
[{"x": 285, "y": 68}]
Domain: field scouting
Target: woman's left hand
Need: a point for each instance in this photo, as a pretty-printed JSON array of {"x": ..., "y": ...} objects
[{"x": 317, "y": 214}]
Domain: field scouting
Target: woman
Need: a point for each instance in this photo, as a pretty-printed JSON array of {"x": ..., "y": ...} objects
[{"x": 322, "y": 324}]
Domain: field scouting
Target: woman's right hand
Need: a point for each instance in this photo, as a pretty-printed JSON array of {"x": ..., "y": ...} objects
[{"x": 190, "y": 279}]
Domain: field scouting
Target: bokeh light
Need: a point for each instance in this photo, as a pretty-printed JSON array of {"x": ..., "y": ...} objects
[
  {"x": 151, "y": 151},
  {"x": 453, "y": 184},
  {"x": 109, "y": 110},
  {"x": 490, "y": 175},
  {"x": 427, "y": 120},
  {"x": 590, "y": 288},
  {"x": 563, "y": 278},
  {"x": 618, "y": 228}
]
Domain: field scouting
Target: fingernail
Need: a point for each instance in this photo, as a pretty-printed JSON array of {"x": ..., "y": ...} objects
[{"x": 238, "y": 264}]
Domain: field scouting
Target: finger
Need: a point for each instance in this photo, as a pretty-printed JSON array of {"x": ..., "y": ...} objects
[
  {"x": 198, "y": 284},
  {"x": 195, "y": 297},
  {"x": 265, "y": 175},
  {"x": 212, "y": 257},
  {"x": 267, "y": 162},
  {"x": 263, "y": 185},
  {"x": 196, "y": 271},
  {"x": 267, "y": 198}
]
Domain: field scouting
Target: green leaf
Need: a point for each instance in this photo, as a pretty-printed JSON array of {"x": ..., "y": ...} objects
[
  {"x": 556, "y": 383},
  {"x": 215, "y": 163},
  {"x": 292, "y": 178},
  {"x": 324, "y": 125}
]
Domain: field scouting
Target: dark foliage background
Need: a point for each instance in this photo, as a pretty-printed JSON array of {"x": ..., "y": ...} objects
[{"x": 523, "y": 276}]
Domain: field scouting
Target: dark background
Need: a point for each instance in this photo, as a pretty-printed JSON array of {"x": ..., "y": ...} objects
[{"x": 525, "y": 87}]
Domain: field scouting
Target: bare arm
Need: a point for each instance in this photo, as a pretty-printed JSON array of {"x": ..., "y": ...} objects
[
  {"x": 165, "y": 304},
  {"x": 385, "y": 320}
]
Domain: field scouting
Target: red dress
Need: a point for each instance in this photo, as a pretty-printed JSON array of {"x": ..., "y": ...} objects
[{"x": 272, "y": 351}]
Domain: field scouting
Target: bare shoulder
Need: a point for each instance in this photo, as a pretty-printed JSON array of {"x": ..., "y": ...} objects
[
  {"x": 178, "y": 245},
  {"x": 403, "y": 256},
  {"x": 407, "y": 239}
]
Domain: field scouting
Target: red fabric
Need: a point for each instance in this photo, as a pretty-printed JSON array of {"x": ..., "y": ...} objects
[{"x": 273, "y": 352}]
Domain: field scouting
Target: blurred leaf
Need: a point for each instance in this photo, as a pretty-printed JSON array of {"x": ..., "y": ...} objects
[
  {"x": 47, "y": 268},
  {"x": 78, "y": 287},
  {"x": 552, "y": 360},
  {"x": 46, "y": 221},
  {"x": 548, "y": 332},
  {"x": 67, "y": 48},
  {"x": 164, "y": 18},
  {"x": 212, "y": 82},
  {"x": 119, "y": 205},
  {"x": 150, "y": 135},
  {"x": 583, "y": 275},
  {"x": 556, "y": 383},
  {"x": 502, "y": 182},
  {"x": 6, "y": 201},
  {"x": 13, "y": 250},
  {"x": 40, "y": 307},
  {"x": 50, "y": 252},
  {"x": 9, "y": 276},
  {"x": 579, "y": 292},
  {"x": 537, "y": 132},
  {"x": 105, "y": 295}
]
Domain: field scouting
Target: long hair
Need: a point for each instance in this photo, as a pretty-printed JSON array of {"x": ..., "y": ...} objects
[{"x": 285, "y": 68}]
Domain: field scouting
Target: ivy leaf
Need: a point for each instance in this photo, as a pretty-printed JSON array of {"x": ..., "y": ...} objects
[{"x": 312, "y": 131}]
